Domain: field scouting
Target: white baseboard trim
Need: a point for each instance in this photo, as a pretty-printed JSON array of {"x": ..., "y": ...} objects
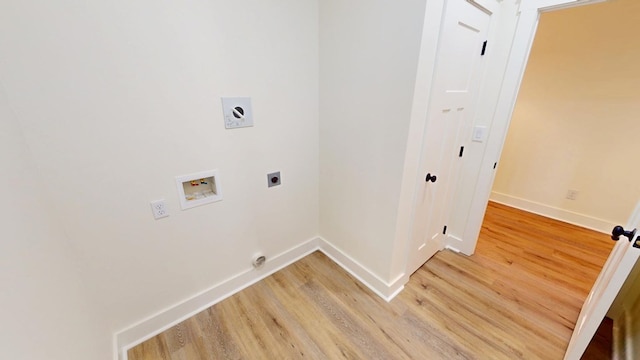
[
  {"x": 452, "y": 242},
  {"x": 385, "y": 290},
  {"x": 585, "y": 221},
  {"x": 451, "y": 248},
  {"x": 165, "y": 319}
]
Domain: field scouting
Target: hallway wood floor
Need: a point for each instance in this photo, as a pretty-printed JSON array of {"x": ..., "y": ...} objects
[{"x": 518, "y": 297}]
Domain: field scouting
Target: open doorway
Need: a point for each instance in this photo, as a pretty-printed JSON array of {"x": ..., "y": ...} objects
[{"x": 569, "y": 153}]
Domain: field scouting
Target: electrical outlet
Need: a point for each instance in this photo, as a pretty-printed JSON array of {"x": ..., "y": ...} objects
[
  {"x": 273, "y": 179},
  {"x": 572, "y": 194},
  {"x": 159, "y": 209}
]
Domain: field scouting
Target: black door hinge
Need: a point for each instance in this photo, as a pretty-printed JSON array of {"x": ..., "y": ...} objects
[
  {"x": 461, "y": 151},
  {"x": 495, "y": 164},
  {"x": 444, "y": 231},
  {"x": 484, "y": 48}
]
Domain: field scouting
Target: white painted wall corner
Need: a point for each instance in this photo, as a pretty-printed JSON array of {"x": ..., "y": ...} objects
[
  {"x": 165, "y": 319},
  {"x": 386, "y": 290}
]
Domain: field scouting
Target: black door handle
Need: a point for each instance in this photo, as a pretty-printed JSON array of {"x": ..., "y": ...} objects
[
  {"x": 431, "y": 178},
  {"x": 620, "y": 231}
]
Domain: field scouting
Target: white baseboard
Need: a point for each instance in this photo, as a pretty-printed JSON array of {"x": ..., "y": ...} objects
[
  {"x": 451, "y": 248},
  {"x": 165, "y": 319},
  {"x": 454, "y": 243},
  {"x": 585, "y": 221},
  {"x": 383, "y": 289}
]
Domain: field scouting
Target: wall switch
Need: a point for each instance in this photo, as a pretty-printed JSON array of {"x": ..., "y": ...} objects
[
  {"x": 572, "y": 194},
  {"x": 237, "y": 112},
  {"x": 479, "y": 133},
  {"x": 159, "y": 209}
]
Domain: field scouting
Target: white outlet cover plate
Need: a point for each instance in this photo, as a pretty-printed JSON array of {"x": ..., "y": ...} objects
[
  {"x": 237, "y": 112},
  {"x": 159, "y": 209}
]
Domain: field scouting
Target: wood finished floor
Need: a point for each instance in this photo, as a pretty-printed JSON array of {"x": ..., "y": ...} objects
[
  {"x": 518, "y": 297},
  {"x": 601, "y": 346}
]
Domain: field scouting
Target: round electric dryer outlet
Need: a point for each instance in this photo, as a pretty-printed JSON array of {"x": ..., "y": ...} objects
[{"x": 273, "y": 179}]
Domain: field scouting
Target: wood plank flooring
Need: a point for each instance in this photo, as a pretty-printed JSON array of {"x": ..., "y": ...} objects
[
  {"x": 518, "y": 297},
  {"x": 601, "y": 346}
]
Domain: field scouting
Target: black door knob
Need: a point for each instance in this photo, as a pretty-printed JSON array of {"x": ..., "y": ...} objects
[
  {"x": 620, "y": 231},
  {"x": 431, "y": 178}
]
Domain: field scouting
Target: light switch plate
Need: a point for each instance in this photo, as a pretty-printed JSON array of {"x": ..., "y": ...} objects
[
  {"x": 237, "y": 112},
  {"x": 479, "y": 133}
]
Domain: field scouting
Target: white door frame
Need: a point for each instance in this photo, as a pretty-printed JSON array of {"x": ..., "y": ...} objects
[
  {"x": 529, "y": 15},
  {"x": 503, "y": 89}
]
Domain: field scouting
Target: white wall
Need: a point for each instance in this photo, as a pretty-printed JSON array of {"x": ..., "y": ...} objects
[
  {"x": 575, "y": 118},
  {"x": 43, "y": 307},
  {"x": 116, "y": 98},
  {"x": 368, "y": 56}
]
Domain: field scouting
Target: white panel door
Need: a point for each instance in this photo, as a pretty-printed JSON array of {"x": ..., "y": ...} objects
[
  {"x": 613, "y": 275},
  {"x": 455, "y": 87}
]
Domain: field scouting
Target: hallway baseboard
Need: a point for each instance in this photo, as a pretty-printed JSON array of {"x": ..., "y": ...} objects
[{"x": 582, "y": 220}]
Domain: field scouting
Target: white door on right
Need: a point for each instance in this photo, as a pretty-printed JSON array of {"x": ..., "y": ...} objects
[
  {"x": 613, "y": 275},
  {"x": 459, "y": 66}
]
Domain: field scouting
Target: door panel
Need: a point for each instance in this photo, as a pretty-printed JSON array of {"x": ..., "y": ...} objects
[
  {"x": 613, "y": 275},
  {"x": 455, "y": 86},
  {"x": 466, "y": 33}
]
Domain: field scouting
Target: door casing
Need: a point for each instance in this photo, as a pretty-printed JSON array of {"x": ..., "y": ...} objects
[{"x": 504, "y": 91}]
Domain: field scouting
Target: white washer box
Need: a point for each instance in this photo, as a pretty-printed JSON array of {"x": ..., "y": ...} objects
[{"x": 199, "y": 188}]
